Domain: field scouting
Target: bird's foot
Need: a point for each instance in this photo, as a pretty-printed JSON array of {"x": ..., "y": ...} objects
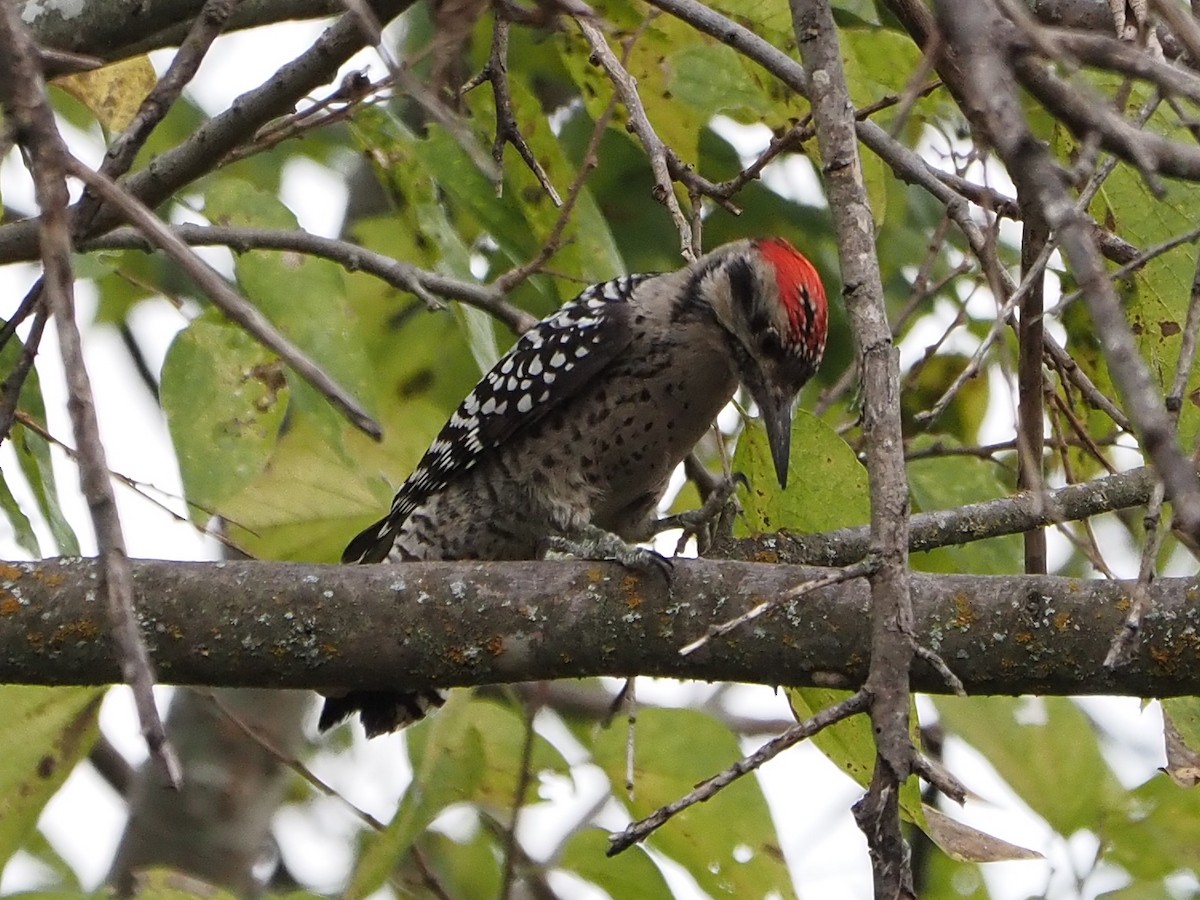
[
  {"x": 710, "y": 520},
  {"x": 595, "y": 543}
]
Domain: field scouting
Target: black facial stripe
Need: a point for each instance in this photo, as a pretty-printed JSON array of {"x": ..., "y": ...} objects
[{"x": 742, "y": 286}]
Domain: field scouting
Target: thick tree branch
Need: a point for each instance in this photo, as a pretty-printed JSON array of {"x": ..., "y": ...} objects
[
  {"x": 257, "y": 624},
  {"x": 115, "y": 29}
]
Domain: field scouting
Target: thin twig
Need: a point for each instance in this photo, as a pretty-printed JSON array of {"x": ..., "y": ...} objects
[
  {"x": 857, "y": 570},
  {"x": 372, "y": 30},
  {"x": 154, "y": 107},
  {"x": 626, "y": 88},
  {"x": 224, "y": 297},
  {"x": 23, "y": 93},
  {"x": 524, "y": 779},
  {"x": 427, "y": 286},
  {"x": 1126, "y": 640},
  {"x": 14, "y": 381},
  {"x": 142, "y": 488},
  {"x": 640, "y": 830},
  {"x": 289, "y": 760},
  {"x": 514, "y": 276},
  {"x": 495, "y": 70}
]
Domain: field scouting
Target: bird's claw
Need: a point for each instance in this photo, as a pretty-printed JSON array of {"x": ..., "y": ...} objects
[
  {"x": 598, "y": 544},
  {"x": 705, "y": 523}
]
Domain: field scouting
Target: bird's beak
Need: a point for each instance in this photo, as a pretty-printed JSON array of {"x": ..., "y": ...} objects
[{"x": 776, "y": 412}]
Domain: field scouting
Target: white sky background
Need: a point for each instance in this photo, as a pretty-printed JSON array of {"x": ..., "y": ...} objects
[{"x": 809, "y": 797}]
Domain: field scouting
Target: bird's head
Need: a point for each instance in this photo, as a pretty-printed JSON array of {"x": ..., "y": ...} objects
[{"x": 770, "y": 299}]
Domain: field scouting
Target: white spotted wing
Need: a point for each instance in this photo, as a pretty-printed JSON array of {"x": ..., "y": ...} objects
[{"x": 547, "y": 366}]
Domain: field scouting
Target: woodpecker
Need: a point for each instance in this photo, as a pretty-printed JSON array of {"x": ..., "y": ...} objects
[{"x": 570, "y": 439}]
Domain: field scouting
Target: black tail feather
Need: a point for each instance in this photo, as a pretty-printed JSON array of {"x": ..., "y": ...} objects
[{"x": 380, "y": 712}]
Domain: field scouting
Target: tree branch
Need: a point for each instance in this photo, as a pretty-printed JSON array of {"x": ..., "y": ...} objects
[
  {"x": 892, "y": 636},
  {"x": 289, "y": 625},
  {"x": 208, "y": 145},
  {"x": 115, "y": 29}
]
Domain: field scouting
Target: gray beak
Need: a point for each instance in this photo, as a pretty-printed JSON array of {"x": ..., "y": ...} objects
[{"x": 776, "y": 412}]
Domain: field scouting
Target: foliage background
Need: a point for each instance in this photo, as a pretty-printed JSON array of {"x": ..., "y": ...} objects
[{"x": 262, "y": 450}]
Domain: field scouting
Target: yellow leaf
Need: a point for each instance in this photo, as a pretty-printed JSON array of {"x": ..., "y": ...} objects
[{"x": 112, "y": 92}]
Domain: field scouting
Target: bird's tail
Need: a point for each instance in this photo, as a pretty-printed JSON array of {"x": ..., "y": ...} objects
[{"x": 380, "y": 711}]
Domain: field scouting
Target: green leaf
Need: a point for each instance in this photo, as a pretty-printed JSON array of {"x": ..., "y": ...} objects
[
  {"x": 711, "y": 79},
  {"x": 838, "y": 498},
  {"x": 1156, "y": 297},
  {"x": 43, "y": 733},
  {"x": 850, "y": 744},
  {"x": 1047, "y": 751},
  {"x": 1184, "y": 713},
  {"x": 225, "y": 397},
  {"x": 469, "y": 752},
  {"x": 33, "y": 455},
  {"x": 877, "y": 61},
  {"x": 1155, "y": 832},
  {"x": 466, "y": 869},
  {"x": 303, "y": 296},
  {"x": 947, "y": 482},
  {"x": 628, "y": 874},
  {"x": 728, "y": 844},
  {"x": 17, "y": 520}
]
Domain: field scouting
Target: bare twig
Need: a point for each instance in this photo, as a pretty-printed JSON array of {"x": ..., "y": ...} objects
[
  {"x": 517, "y": 274},
  {"x": 524, "y": 778},
  {"x": 1125, "y": 641},
  {"x": 23, "y": 93},
  {"x": 208, "y": 145},
  {"x": 640, "y": 830},
  {"x": 892, "y": 635},
  {"x": 856, "y": 570},
  {"x": 974, "y": 39},
  {"x": 290, "y": 761},
  {"x": 495, "y": 70},
  {"x": 10, "y": 388},
  {"x": 224, "y": 297},
  {"x": 626, "y": 88},
  {"x": 141, "y": 488},
  {"x": 427, "y": 286},
  {"x": 1031, "y": 428},
  {"x": 121, "y": 154}
]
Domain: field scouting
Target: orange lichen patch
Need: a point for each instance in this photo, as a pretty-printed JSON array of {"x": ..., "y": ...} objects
[
  {"x": 766, "y": 556},
  {"x": 175, "y": 631},
  {"x": 9, "y": 605},
  {"x": 10, "y": 573},
  {"x": 35, "y": 639},
  {"x": 964, "y": 616},
  {"x": 629, "y": 584},
  {"x": 82, "y": 630},
  {"x": 457, "y": 656},
  {"x": 1123, "y": 604},
  {"x": 50, "y": 579},
  {"x": 330, "y": 650},
  {"x": 1023, "y": 637},
  {"x": 595, "y": 575},
  {"x": 1062, "y": 620},
  {"x": 495, "y": 645},
  {"x": 1162, "y": 657}
]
